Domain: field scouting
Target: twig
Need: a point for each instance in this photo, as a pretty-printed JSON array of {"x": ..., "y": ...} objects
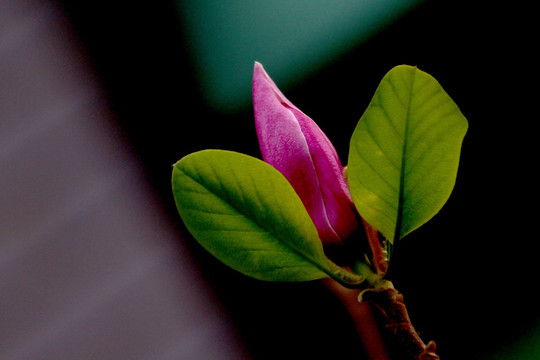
[
  {"x": 379, "y": 257},
  {"x": 388, "y": 304}
]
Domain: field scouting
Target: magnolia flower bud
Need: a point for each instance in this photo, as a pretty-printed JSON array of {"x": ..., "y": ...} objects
[{"x": 292, "y": 143}]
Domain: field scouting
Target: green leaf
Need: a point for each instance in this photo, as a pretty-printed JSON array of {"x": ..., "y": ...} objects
[
  {"x": 404, "y": 152},
  {"x": 245, "y": 213}
]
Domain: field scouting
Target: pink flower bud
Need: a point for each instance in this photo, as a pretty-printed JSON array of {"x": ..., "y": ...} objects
[{"x": 292, "y": 143}]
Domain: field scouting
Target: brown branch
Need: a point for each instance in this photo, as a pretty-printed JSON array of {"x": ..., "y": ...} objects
[
  {"x": 379, "y": 257},
  {"x": 363, "y": 319},
  {"x": 389, "y": 303},
  {"x": 384, "y": 309}
]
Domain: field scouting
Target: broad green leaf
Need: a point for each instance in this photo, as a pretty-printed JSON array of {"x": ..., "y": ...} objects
[
  {"x": 245, "y": 213},
  {"x": 404, "y": 152}
]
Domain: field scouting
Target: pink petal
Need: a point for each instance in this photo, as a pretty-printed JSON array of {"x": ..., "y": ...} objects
[{"x": 292, "y": 143}]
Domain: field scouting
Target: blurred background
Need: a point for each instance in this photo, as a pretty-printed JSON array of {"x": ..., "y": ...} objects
[{"x": 99, "y": 98}]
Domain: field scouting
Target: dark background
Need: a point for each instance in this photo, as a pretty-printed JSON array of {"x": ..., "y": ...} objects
[{"x": 468, "y": 276}]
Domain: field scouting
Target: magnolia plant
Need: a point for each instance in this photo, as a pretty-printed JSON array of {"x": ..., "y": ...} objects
[{"x": 299, "y": 214}]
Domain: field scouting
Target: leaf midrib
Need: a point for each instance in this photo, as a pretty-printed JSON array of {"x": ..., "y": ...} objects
[{"x": 399, "y": 219}]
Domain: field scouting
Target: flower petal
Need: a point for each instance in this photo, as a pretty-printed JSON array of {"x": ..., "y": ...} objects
[{"x": 292, "y": 143}]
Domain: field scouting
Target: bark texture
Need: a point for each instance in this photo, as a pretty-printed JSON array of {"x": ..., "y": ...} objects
[{"x": 383, "y": 323}]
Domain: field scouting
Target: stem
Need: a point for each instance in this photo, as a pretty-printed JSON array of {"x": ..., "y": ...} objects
[
  {"x": 380, "y": 258},
  {"x": 346, "y": 278},
  {"x": 363, "y": 319},
  {"x": 382, "y": 322},
  {"x": 393, "y": 312}
]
